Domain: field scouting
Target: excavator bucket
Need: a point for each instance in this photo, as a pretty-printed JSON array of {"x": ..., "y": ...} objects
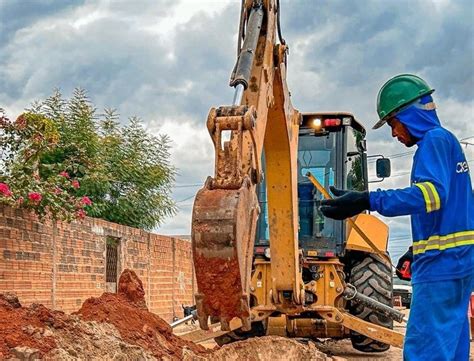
[{"x": 223, "y": 231}]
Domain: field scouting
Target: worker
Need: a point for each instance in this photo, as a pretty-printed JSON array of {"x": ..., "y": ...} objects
[{"x": 441, "y": 204}]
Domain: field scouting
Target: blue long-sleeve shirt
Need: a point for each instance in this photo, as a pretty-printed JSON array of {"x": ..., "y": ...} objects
[{"x": 440, "y": 201}]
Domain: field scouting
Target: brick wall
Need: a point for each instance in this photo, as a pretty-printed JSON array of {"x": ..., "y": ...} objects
[{"x": 62, "y": 264}]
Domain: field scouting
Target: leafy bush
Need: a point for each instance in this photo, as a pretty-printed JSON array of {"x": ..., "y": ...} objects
[{"x": 61, "y": 158}]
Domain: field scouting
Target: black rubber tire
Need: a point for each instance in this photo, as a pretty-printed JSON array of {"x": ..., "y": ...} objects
[
  {"x": 239, "y": 335},
  {"x": 227, "y": 338},
  {"x": 373, "y": 278}
]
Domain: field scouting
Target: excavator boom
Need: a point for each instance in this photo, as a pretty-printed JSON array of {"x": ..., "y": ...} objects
[{"x": 226, "y": 209}]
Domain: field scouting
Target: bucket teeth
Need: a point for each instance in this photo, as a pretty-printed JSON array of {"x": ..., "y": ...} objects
[
  {"x": 225, "y": 325},
  {"x": 203, "y": 317},
  {"x": 246, "y": 322}
]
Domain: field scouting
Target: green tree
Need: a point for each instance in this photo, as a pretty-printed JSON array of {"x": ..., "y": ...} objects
[{"x": 123, "y": 170}]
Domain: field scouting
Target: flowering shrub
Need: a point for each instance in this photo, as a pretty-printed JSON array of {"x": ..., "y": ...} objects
[
  {"x": 5, "y": 190},
  {"x": 86, "y": 201},
  {"x": 34, "y": 197},
  {"x": 61, "y": 158},
  {"x": 26, "y": 182}
]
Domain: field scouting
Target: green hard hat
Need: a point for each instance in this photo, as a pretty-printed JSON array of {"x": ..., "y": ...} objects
[{"x": 397, "y": 92}]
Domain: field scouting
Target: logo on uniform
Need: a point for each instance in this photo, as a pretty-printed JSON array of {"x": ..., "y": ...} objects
[{"x": 462, "y": 167}]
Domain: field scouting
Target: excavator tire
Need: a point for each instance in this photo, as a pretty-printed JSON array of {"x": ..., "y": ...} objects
[{"x": 373, "y": 278}]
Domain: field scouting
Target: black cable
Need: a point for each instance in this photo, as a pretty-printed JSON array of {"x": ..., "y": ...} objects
[
  {"x": 185, "y": 199},
  {"x": 187, "y": 185}
]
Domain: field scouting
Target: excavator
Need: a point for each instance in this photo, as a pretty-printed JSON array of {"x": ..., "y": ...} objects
[{"x": 267, "y": 262}]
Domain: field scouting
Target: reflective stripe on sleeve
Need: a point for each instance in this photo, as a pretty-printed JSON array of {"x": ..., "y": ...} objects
[
  {"x": 431, "y": 196},
  {"x": 444, "y": 242}
]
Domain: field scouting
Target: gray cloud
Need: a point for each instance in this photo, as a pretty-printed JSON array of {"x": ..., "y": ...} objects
[
  {"x": 351, "y": 48},
  {"x": 144, "y": 59},
  {"x": 16, "y": 15}
]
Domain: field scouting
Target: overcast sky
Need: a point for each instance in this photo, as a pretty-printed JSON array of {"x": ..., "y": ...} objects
[{"x": 169, "y": 61}]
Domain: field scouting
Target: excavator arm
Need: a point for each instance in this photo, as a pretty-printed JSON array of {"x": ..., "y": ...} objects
[
  {"x": 299, "y": 294},
  {"x": 226, "y": 209}
]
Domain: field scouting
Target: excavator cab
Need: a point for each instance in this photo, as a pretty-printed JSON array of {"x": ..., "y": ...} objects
[{"x": 332, "y": 147}]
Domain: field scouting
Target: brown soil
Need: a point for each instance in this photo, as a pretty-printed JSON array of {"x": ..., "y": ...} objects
[
  {"x": 113, "y": 326},
  {"x": 18, "y": 325},
  {"x": 210, "y": 272},
  {"x": 28, "y": 333},
  {"x": 120, "y": 327},
  {"x": 139, "y": 327},
  {"x": 268, "y": 348}
]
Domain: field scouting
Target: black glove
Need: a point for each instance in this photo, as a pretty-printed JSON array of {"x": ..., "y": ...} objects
[
  {"x": 346, "y": 204},
  {"x": 404, "y": 265}
]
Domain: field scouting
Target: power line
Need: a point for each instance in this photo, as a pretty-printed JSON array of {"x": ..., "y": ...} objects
[
  {"x": 187, "y": 185},
  {"x": 185, "y": 199},
  {"x": 393, "y": 156}
]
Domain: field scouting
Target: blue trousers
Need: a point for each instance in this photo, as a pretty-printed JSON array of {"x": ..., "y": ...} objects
[{"x": 438, "y": 326}]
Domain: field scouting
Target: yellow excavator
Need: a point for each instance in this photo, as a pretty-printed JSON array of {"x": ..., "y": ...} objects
[{"x": 267, "y": 262}]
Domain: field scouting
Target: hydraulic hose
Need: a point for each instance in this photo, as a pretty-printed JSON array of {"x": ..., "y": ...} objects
[
  {"x": 243, "y": 67},
  {"x": 350, "y": 293}
]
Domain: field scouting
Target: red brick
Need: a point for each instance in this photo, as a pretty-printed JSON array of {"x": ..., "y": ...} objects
[{"x": 26, "y": 262}]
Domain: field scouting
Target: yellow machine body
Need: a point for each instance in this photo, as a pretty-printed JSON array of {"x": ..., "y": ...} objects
[{"x": 236, "y": 288}]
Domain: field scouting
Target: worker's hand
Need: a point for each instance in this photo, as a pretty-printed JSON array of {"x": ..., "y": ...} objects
[
  {"x": 346, "y": 204},
  {"x": 404, "y": 265}
]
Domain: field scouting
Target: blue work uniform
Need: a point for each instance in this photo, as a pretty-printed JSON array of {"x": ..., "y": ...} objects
[{"x": 441, "y": 204}]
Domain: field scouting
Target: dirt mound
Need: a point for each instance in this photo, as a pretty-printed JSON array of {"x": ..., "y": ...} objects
[
  {"x": 268, "y": 348},
  {"x": 28, "y": 333},
  {"x": 131, "y": 287},
  {"x": 120, "y": 327},
  {"x": 113, "y": 326},
  {"x": 18, "y": 326},
  {"x": 139, "y": 327}
]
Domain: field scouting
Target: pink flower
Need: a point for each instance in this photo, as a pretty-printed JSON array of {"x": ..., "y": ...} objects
[
  {"x": 20, "y": 200},
  {"x": 75, "y": 184},
  {"x": 80, "y": 214},
  {"x": 20, "y": 122},
  {"x": 57, "y": 190},
  {"x": 38, "y": 138},
  {"x": 64, "y": 174},
  {"x": 5, "y": 190},
  {"x": 86, "y": 201},
  {"x": 35, "y": 197}
]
